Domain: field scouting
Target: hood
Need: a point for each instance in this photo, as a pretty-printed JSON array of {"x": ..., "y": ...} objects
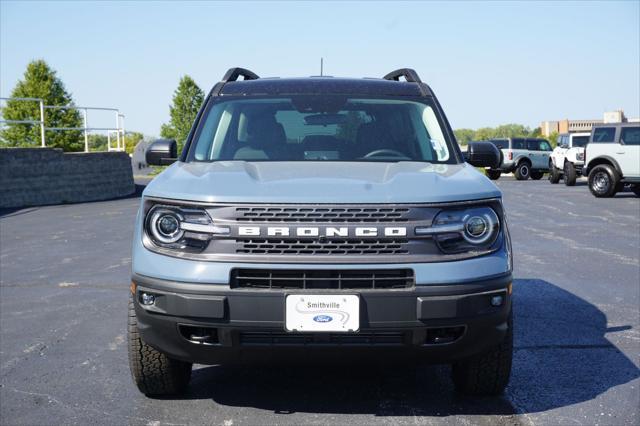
[{"x": 321, "y": 182}]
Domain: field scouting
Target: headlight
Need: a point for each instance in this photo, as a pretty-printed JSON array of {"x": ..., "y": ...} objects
[
  {"x": 164, "y": 225},
  {"x": 187, "y": 229},
  {"x": 580, "y": 156},
  {"x": 457, "y": 231}
]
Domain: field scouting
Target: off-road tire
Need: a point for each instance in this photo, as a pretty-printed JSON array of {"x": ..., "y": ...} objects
[
  {"x": 554, "y": 173},
  {"x": 603, "y": 181},
  {"x": 486, "y": 373},
  {"x": 153, "y": 372},
  {"x": 537, "y": 175},
  {"x": 522, "y": 171},
  {"x": 636, "y": 189},
  {"x": 569, "y": 173},
  {"x": 493, "y": 174}
]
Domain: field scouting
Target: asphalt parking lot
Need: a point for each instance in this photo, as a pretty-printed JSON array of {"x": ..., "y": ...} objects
[{"x": 64, "y": 278}]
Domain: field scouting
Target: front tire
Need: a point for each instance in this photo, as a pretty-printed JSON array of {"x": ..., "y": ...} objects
[
  {"x": 153, "y": 372},
  {"x": 569, "y": 173},
  {"x": 486, "y": 373},
  {"x": 522, "y": 171},
  {"x": 636, "y": 190},
  {"x": 493, "y": 174},
  {"x": 554, "y": 173},
  {"x": 603, "y": 181},
  {"x": 537, "y": 175}
]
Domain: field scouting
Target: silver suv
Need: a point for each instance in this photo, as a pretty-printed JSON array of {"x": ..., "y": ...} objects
[
  {"x": 321, "y": 219},
  {"x": 524, "y": 157}
]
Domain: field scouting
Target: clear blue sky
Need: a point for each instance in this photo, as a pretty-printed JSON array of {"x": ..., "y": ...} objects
[{"x": 489, "y": 63}]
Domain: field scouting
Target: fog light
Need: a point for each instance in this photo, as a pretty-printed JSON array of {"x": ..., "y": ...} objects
[
  {"x": 497, "y": 301},
  {"x": 147, "y": 299}
]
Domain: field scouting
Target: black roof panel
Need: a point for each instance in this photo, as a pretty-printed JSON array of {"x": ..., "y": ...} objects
[{"x": 312, "y": 85}]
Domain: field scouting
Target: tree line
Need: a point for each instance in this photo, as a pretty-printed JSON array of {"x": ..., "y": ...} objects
[{"x": 465, "y": 136}]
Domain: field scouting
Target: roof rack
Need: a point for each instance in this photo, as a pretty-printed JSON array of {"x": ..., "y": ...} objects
[
  {"x": 234, "y": 73},
  {"x": 409, "y": 74}
]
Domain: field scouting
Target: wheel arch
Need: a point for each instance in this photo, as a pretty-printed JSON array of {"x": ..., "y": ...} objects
[{"x": 605, "y": 159}]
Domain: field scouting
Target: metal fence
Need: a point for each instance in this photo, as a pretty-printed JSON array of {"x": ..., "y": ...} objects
[{"x": 118, "y": 130}]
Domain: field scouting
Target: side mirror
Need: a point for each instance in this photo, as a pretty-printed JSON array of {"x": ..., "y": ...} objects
[
  {"x": 162, "y": 152},
  {"x": 483, "y": 154}
]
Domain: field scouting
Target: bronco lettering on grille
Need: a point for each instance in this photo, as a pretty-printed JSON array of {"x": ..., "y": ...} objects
[{"x": 329, "y": 231}]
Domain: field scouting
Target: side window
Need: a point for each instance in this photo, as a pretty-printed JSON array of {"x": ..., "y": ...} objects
[
  {"x": 630, "y": 135},
  {"x": 545, "y": 146},
  {"x": 604, "y": 134},
  {"x": 501, "y": 143},
  {"x": 533, "y": 145},
  {"x": 518, "y": 144}
]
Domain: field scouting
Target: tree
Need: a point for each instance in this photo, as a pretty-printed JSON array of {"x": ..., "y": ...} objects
[
  {"x": 41, "y": 81},
  {"x": 98, "y": 143},
  {"x": 484, "y": 134},
  {"x": 464, "y": 136},
  {"x": 511, "y": 131},
  {"x": 186, "y": 101},
  {"x": 131, "y": 140},
  {"x": 536, "y": 133}
]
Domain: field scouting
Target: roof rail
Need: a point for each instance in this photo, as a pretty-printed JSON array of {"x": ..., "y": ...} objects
[
  {"x": 409, "y": 74},
  {"x": 234, "y": 73}
]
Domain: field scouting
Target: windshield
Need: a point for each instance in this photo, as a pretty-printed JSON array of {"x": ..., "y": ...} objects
[
  {"x": 579, "y": 141},
  {"x": 321, "y": 128}
]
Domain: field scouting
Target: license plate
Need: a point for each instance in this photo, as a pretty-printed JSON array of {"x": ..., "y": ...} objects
[{"x": 322, "y": 312}]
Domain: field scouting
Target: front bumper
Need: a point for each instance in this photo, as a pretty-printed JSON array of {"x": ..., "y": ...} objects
[{"x": 434, "y": 323}]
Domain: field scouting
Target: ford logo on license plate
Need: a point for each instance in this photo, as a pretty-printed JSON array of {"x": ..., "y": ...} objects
[{"x": 323, "y": 318}]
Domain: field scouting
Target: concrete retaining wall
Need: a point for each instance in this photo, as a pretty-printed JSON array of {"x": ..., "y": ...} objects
[{"x": 39, "y": 176}]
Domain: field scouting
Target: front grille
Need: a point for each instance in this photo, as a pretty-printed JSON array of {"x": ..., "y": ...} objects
[
  {"x": 330, "y": 247},
  {"x": 279, "y": 338},
  {"x": 322, "y": 214},
  {"x": 322, "y": 279}
]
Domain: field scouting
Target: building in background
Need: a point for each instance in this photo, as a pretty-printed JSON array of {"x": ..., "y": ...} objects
[{"x": 574, "y": 126}]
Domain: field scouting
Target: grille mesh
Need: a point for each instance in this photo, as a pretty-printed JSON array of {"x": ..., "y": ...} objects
[
  {"x": 322, "y": 279},
  {"x": 322, "y": 214},
  {"x": 331, "y": 247},
  {"x": 391, "y": 338}
]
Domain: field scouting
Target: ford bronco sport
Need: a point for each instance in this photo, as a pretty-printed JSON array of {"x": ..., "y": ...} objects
[
  {"x": 524, "y": 157},
  {"x": 567, "y": 158},
  {"x": 321, "y": 218},
  {"x": 612, "y": 159}
]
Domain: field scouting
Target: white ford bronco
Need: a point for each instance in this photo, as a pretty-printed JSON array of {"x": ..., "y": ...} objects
[
  {"x": 612, "y": 159},
  {"x": 567, "y": 158}
]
